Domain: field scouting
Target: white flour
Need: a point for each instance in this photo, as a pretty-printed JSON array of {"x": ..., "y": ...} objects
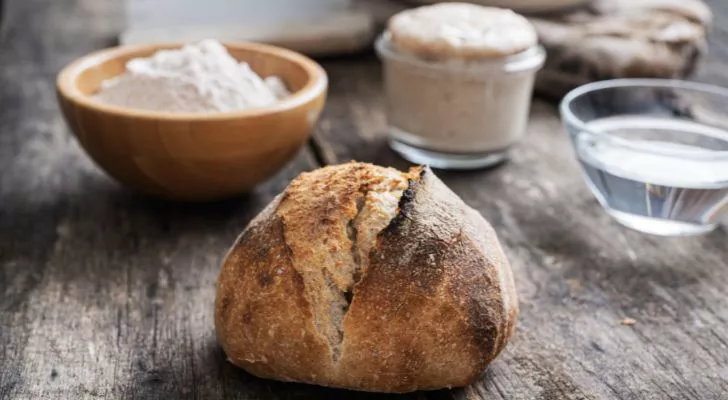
[{"x": 202, "y": 77}]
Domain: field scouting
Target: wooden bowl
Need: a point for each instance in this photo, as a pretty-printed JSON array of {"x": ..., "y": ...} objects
[{"x": 188, "y": 156}]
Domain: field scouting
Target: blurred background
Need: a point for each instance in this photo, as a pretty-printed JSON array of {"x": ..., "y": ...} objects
[{"x": 586, "y": 40}]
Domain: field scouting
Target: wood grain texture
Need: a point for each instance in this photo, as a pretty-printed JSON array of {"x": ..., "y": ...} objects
[{"x": 105, "y": 294}]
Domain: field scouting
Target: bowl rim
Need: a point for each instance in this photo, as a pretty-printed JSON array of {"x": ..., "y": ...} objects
[
  {"x": 65, "y": 83},
  {"x": 570, "y": 118}
]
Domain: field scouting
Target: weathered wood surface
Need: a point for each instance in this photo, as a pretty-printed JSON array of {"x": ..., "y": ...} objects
[{"x": 105, "y": 294}]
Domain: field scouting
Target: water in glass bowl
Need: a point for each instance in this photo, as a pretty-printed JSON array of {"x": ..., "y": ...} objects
[{"x": 663, "y": 176}]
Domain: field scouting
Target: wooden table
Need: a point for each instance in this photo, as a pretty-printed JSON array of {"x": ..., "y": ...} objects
[{"x": 107, "y": 294}]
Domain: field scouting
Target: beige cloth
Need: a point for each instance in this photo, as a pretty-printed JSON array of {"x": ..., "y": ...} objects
[{"x": 621, "y": 38}]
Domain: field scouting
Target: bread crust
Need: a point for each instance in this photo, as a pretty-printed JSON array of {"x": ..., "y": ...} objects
[{"x": 434, "y": 305}]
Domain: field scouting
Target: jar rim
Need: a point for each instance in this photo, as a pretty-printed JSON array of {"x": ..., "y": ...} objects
[{"x": 530, "y": 59}]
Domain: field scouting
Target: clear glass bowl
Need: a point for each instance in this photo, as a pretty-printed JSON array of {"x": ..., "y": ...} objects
[{"x": 654, "y": 152}]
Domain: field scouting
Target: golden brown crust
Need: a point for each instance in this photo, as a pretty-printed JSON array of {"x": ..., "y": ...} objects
[
  {"x": 433, "y": 304},
  {"x": 258, "y": 293}
]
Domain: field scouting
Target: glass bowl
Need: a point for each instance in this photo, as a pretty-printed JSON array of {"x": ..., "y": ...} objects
[{"x": 654, "y": 152}]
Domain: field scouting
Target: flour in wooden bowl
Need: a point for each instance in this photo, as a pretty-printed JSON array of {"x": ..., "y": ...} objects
[{"x": 198, "y": 78}]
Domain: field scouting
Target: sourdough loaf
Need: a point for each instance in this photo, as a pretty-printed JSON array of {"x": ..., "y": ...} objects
[{"x": 366, "y": 278}]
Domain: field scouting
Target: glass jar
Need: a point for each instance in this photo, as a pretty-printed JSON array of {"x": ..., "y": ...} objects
[{"x": 456, "y": 114}]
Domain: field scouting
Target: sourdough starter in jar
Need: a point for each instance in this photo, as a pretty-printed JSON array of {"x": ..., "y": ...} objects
[{"x": 459, "y": 80}]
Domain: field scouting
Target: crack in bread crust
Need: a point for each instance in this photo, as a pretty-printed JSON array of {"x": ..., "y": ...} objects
[
  {"x": 332, "y": 218},
  {"x": 353, "y": 234},
  {"x": 405, "y": 203},
  {"x": 346, "y": 297}
]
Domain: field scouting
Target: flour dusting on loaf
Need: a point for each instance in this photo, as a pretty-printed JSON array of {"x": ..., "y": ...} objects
[
  {"x": 364, "y": 277},
  {"x": 332, "y": 217}
]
